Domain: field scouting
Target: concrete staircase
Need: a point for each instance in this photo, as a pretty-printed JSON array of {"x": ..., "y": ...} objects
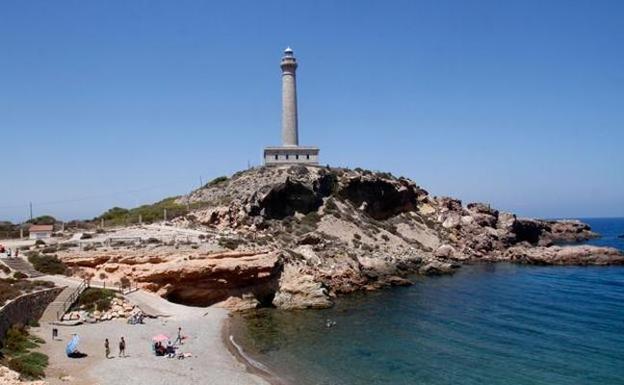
[{"x": 21, "y": 265}]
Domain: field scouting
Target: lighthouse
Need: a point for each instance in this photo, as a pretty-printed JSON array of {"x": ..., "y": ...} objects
[{"x": 290, "y": 151}]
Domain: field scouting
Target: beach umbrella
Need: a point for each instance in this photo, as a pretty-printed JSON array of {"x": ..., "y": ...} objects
[
  {"x": 160, "y": 338},
  {"x": 72, "y": 346}
]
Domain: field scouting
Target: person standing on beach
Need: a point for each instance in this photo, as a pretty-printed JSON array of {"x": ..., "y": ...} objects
[
  {"x": 122, "y": 347},
  {"x": 179, "y": 338},
  {"x": 107, "y": 347}
]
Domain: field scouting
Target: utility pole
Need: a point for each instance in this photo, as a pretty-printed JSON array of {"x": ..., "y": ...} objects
[
  {"x": 165, "y": 214},
  {"x": 201, "y": 182},
  {"x": 30, "y": 205}
]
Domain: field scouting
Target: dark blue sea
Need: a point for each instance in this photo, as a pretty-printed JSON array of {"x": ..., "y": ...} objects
[{"x": 487, "y": 324}]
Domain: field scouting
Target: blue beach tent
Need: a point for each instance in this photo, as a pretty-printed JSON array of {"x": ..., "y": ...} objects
[{"x": 72, "y": 346}]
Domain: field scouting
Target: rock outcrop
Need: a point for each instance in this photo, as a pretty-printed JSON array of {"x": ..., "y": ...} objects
[
  {"x": 303, "y": 234},
  {"x": 570, "y": 255}
]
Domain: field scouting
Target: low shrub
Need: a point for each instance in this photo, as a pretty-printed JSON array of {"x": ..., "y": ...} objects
[
  {"x": 95, "y": 299},
  {"x": 49, "y": 249},
  {"x": 33, "y": 323},
  {"x": 19, "y": 275},
  {"x": 311, "y": 219},
  {"x": 216, "y": 181},
  {"x": 7, "y": 291},
  {"x": 17, "y": 346},
  {"x": 17, "y": 341},
  {"x": 230, "y": 243},
  {"x": 47, "y": 264},
  {"x": 30, "y": 365}
]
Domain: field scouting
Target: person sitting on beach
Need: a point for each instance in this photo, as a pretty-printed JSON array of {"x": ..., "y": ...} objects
[
  {"x": 170, "y": 349},
  {"x": 159, "y": 349}
]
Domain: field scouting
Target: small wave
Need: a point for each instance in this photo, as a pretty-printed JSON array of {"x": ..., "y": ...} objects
[{"x": 248, "y": 359}]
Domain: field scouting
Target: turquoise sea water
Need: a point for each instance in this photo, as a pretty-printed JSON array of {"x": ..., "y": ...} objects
[{"x": 487, "y": 324}]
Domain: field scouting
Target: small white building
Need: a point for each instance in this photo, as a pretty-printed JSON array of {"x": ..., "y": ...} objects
[{"x": 40, "y": 231}]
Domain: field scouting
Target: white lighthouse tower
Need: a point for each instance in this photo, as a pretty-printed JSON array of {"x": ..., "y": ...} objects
[{"x": 290, "y": 151}]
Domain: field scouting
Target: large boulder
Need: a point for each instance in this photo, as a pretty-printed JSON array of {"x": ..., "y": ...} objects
[
  {"x": 436, "y": 267},
  {"x": 299, "y": 290}
]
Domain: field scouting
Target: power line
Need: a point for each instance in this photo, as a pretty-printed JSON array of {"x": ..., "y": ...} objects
[{"x": 89, "y": 197}]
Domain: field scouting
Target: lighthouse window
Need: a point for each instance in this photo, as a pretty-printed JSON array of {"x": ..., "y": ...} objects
[
  {"x": 275, "y": 156},
  {"x": 308, "y": 156},
  {"x": 286, "y": 156},
  {"x": 296, "y": 156}
]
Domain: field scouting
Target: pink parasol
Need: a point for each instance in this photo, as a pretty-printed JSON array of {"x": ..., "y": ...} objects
[{"x": 160, "y": 338}]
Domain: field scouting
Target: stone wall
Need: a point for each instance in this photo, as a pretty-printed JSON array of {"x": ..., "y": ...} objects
[{"x": 26, "y": 308}]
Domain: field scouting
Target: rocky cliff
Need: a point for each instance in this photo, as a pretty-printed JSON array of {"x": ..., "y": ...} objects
[{"x": 304, "y": 234}]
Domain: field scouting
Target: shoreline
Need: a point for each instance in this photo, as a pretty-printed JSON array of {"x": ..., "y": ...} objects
[{"x": 251, "y": 365}]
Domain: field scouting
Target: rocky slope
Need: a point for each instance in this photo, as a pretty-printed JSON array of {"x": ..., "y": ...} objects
[{"x": 303, "y": 235}]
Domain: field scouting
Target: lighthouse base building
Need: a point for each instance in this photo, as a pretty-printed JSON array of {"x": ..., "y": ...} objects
[
  {"x": 298, "y": 154},
  {"x": 290, "y": 151}
]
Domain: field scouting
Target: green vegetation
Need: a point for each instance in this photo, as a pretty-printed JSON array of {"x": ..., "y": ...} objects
[
  {"x": 11, "y": 288},
  {"x": 9, "y": 230},
  {"x": 7, "y": 291},
  {"x": 19, "y": 275},
  {"x": 47, "y": 264},
  {"x": 216, "y": 181},
  {"x": 43, "y": 220},
  {"x": 17, "y": 353},
  {"x": 95, "y": 299},
  {"x": 311, "y": 219},
  {"x": 148, "y": 213},
  {"x": 230, "y": 243}
]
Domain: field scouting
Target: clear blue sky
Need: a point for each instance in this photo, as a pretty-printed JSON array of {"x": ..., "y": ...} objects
[{"x": 516, "y": 103}]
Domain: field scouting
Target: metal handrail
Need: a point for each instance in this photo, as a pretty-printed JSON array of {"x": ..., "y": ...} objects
[
  {"x": 72, "y": 298},
  {"x": 87, "y": 283}
]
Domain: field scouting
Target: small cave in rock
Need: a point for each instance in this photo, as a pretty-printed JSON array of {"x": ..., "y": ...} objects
[
  {"x": 198, "y": 295},
  {"x": 202, "y": 297},
  {"x": 290, "y": 197},
  {"x": 383, "y": 199},
  {"x": 527, "y": 231}
]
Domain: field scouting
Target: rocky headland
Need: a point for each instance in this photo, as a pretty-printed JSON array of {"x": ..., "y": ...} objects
[{"x": 298, "y": 236}]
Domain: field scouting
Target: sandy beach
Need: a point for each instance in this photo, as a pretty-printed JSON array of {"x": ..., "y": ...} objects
[{"x": 211, "y": 362}]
